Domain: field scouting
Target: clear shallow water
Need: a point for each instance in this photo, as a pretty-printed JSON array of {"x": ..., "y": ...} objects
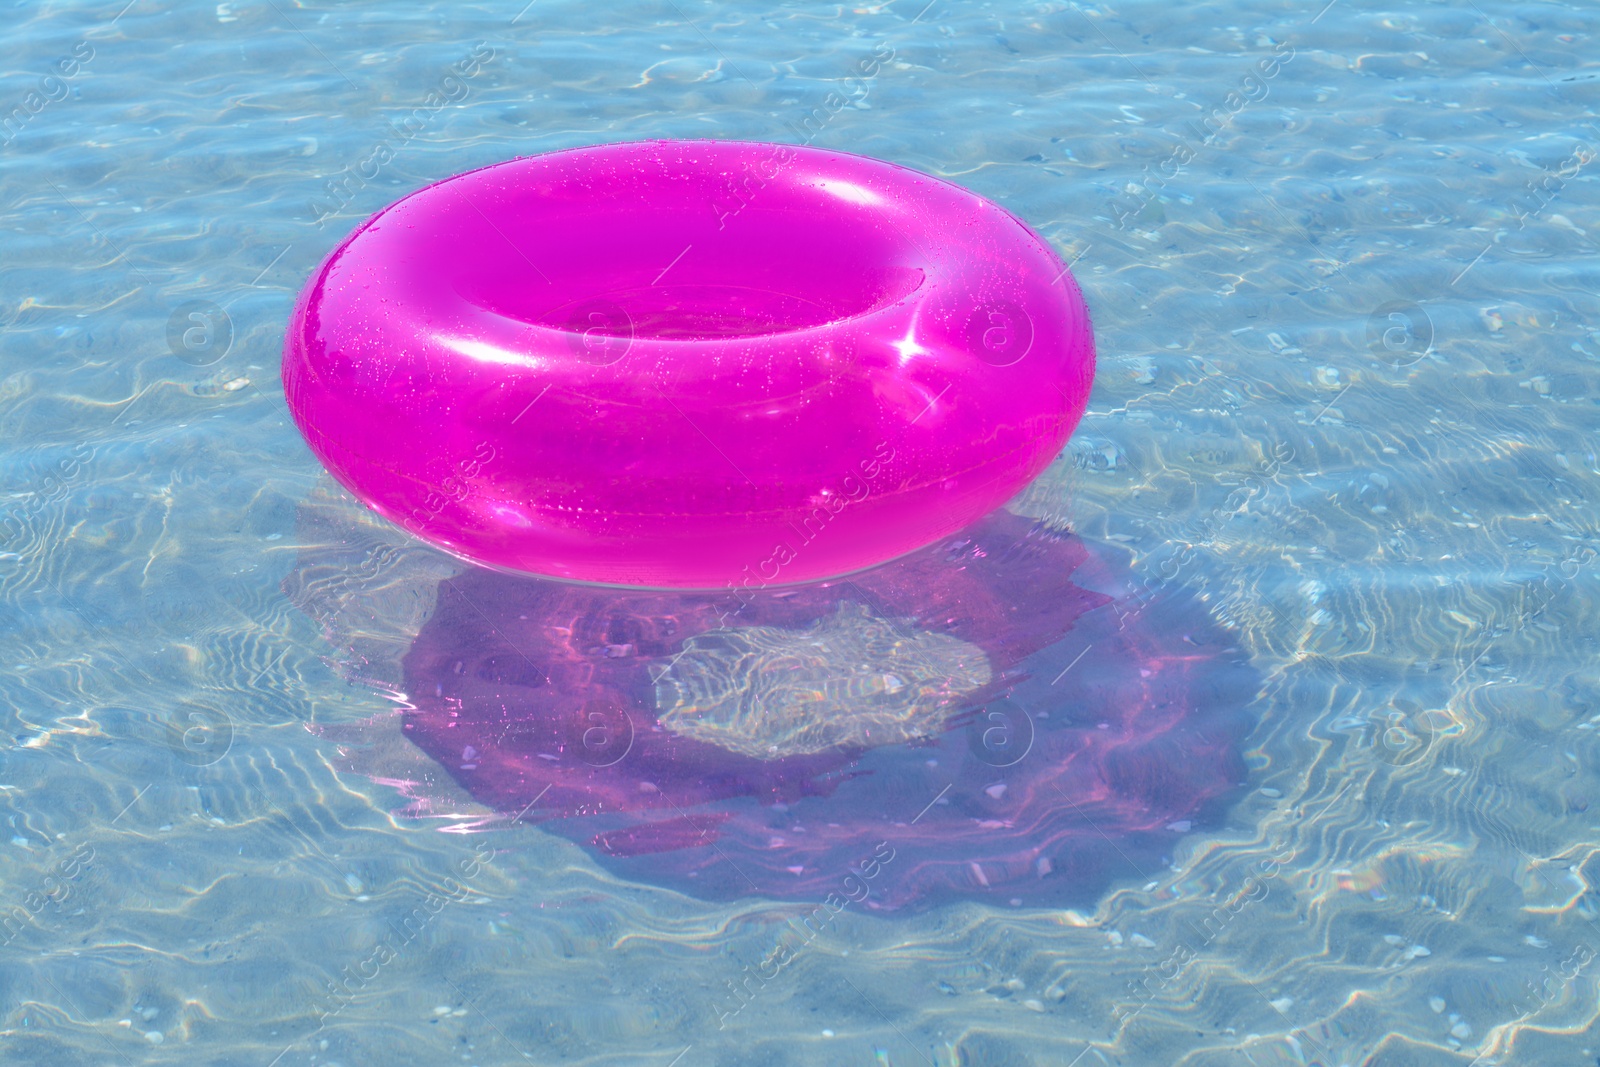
[{"x": 1394, "y": 517}]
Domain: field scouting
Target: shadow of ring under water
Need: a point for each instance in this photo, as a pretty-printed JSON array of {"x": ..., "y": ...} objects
[{"x": 977, "y": 720}]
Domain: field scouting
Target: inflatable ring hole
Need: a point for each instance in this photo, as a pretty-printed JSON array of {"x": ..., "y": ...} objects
[
  {"x": 644, "y": 259},
  {"x": 706, "y": 310}
]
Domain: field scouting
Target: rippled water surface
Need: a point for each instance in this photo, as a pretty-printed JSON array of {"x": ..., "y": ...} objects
[{"x": 1342, "y": 262}]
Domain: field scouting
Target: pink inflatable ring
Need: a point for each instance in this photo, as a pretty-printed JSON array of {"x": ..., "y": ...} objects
[{"x": 688, "y": 364}]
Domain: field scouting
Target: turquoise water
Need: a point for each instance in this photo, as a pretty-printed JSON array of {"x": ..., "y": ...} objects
[{"x": 1342, "y": 265}]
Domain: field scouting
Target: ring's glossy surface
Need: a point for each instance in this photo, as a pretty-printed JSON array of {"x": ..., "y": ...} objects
[{"x": 689, "y": 364}]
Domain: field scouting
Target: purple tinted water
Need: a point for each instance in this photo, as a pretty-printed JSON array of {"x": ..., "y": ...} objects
[{"x": 1067, "y": 770}]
